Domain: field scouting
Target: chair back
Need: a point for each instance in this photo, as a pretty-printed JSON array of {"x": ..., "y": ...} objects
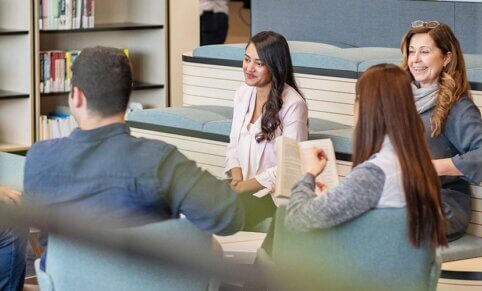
[
  {"x": 74, "y": 266},
  {"x": 11, "y": 170},
  {"x": 371, "y": 252}
]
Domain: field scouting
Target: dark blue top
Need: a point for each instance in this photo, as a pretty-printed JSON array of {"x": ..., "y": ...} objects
[{"x": 106, "y": 173}]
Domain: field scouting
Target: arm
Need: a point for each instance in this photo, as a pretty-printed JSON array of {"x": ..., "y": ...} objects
[
  {"x": 10, "y": 197},
  {"x": 232, "y": 160},
  {"x": 464, "y": 130},
  {"x": 207, "y": 202},
  {"x": 357, "y": 193},
  {"x": 250, "y": 185}
]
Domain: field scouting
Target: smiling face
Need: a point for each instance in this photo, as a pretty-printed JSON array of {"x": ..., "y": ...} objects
[
  {"x": 425, "y": 59},
  {"x": 255, "y": 71}
]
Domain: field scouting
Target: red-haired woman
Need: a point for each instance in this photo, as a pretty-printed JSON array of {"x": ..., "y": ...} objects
[{"x": 391, "y": 165}]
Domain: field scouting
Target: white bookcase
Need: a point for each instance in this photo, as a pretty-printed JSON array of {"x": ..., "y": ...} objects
[
  {"x": 16, "y": 75},
  {"x": 136, "y": 25}
]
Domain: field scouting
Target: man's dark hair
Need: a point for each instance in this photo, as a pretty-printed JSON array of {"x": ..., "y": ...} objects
[{"x": 104, "y": 75}]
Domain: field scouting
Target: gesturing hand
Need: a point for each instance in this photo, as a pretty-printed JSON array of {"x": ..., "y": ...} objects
[
  {"x": 10, "y": 196},
  {"x": 313, "y": 160}
]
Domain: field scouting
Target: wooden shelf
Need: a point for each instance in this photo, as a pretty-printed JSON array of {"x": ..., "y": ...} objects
[
  {"x": 137, "y": 86},
  {"x": 107, "y": 27},
  {"x": 4, "y": 31},
  {"x": 6, "y": 147},
  {"x": 4, "y": 94}
]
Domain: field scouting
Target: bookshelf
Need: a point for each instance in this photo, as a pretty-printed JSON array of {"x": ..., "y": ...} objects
[
  {"x": 16, "y": 75},
  {"x": 136, "y": 25}
]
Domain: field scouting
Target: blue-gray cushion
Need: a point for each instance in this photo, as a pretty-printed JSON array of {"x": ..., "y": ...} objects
[
  {"x": 187, "y": 117},
  {"x": 342, "y": 138},
  {"x": 11, "y": 171},
  {"x": 363, "y": 66},
  {"x": 225, "y": 51},
  {"x": 236, "y": 51},
  {"x": 474, "y": 75},
  {"x": 467, "y": 247},
  {"x": 217, "y": 120},
  {"x": 326, "y": 60}
]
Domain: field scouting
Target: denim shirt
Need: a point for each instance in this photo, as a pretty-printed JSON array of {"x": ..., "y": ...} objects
[{"x": 106, "y": 173}]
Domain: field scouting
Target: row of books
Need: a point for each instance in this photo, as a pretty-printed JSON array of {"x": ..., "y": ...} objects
[
  {"x": 55, "y": 69},
  {"x": 66, "y": 14},
  {"x": 56, "y": 125},
  {"x": 61, "y": 123}
]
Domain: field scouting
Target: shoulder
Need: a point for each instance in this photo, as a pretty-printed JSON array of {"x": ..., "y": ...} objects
[
  {"x": 144, "y": 146},
  {"x": 463, "y": 109},
  {"x": 293, "y": 100},
  {"x": 368, "y": 169},
  {"x": 242, "y": 93},
  {"x": 44, "y": 147},
  {"x": 290, "y": 95}
]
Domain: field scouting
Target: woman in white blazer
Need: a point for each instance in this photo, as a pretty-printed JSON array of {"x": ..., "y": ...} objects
[{"x": 268, "y": 105}]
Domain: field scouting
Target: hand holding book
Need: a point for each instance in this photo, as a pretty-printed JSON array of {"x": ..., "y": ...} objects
[
  {"x": 294, "y": 159},
  {"x": 313, "y": 160}
]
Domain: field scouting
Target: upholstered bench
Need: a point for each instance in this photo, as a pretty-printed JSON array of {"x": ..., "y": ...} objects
[{"x": 202, "y": 132}]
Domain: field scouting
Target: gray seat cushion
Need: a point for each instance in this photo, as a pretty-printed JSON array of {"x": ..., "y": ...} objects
[
  {"x": 467, "y": 247},
  {"x": 236, "y": 51},
  {"x": 214, "y": 122},
  {"x": 342, "y": 139},
  {"x": 187, "y": 117}
]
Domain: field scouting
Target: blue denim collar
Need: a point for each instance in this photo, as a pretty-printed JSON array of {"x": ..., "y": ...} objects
[{"x": 99, "y": 133}]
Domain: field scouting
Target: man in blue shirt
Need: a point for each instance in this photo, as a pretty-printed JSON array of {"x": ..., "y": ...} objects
[{"x": 102, "y": 172}]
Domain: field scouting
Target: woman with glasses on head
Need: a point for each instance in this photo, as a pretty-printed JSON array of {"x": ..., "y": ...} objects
[
  {"x": 391, "y": 165},
  {"x": 268, "y": 105},
  {"x": 453, "y": 128}
]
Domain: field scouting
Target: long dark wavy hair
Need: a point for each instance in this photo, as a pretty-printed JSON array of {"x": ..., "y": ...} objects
[
  {"x": 386, "y": 107},
  {"x": 274, "y": 52}
]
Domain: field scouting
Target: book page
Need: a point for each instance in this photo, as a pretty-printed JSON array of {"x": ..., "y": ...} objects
[
  {"x": 329, "y": 176},
  {"x": 288, "y": 166}
]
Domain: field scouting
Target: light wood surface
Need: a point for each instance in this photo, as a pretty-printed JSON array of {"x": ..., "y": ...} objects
[
  {"x": 16, "y": 75},
  {"x": 241, "y": 247}
]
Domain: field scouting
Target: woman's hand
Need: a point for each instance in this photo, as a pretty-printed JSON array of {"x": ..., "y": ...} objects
[
  {"x": 10, "y": 196},
  {"x": 313, "y": 160},
  {"x": 236, "y": 176},
  {"x": 445, "y": 167}
]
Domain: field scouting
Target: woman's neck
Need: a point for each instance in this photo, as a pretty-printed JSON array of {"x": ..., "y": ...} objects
[{"x": 262, "y": 93}]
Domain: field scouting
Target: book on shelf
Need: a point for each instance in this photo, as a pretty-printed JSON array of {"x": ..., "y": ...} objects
[
  {"x": 66, "y": 14},
  {"x": 56, "y": 125},
  {"x": 56, "y": 69},
  {"x": 289, "y": 165}
]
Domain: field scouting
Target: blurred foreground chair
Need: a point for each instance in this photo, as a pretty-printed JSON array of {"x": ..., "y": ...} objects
[
  {"x": 11, "y": 176},
  {"x": 371, "y": 252},
  {"x": 75, "y": 266}
]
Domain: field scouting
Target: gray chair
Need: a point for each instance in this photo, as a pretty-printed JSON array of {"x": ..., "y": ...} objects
[
  {"x": 74, "y": 266},
  {"x": 371, "y": 252},
  {"x": 11, "y": 171}
]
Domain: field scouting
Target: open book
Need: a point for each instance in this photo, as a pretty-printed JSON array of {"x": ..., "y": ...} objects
[{"x": 289, "y": 167}]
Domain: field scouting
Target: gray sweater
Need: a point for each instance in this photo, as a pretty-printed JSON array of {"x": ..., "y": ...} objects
[{"x": 359, "y": 192}]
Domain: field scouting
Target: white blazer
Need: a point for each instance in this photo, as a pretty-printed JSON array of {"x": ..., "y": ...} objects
[{"x": 294, "y": 124}]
